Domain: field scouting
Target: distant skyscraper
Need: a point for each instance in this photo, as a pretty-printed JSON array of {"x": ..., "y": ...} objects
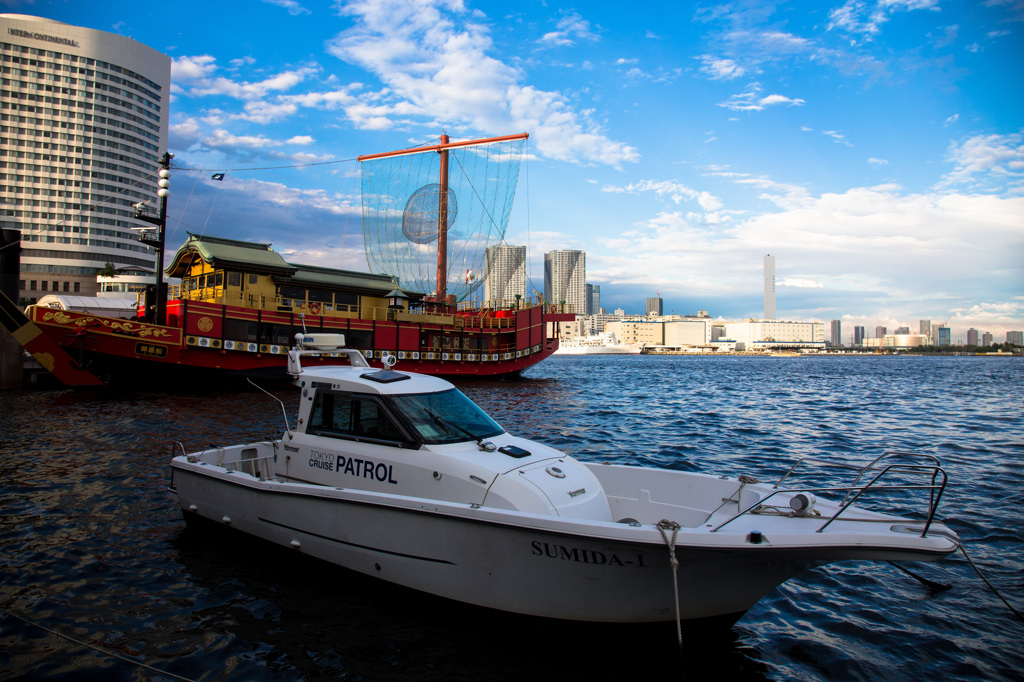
[
  {"x": 902, "y": 330},
  {"x": 926, "y": 328},
  {"x": 593, "y": 299},
  {"x": 565, "y": 275},
  {"x": 972, "y": 337},
  {"x": 986, "y": 339},
  {"x": 879, "y": 332},
  {"x": 506, "y": 273},
  {"x": 1015, "y": 338},
  {"x": 858, "y": 335},
  {"x": 943, "y": 336},
  {"x": 769, "y": 287},
  {"x": 85, "y": 121},
  {"x": 837, "y": 333},
  {"x": 655, "y": 305}
]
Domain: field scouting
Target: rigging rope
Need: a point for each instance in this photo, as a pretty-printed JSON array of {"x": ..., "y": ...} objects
[{"x": 94, "y": 647}]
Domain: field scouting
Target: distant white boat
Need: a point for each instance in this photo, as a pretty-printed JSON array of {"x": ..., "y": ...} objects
[{"x": 597, "y": 344}]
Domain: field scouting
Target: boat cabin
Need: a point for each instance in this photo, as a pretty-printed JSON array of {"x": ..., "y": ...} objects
[{"x": 253, "y": 275}]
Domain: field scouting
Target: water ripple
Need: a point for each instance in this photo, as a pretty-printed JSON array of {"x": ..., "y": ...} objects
[{"x": 92, "y": 546}]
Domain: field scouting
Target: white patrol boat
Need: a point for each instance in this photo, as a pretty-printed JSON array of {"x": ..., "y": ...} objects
[{"x": 401, "y": 476}]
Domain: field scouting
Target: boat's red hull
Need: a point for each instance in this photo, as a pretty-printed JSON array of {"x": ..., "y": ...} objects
[{"x": 197, "y": 338}]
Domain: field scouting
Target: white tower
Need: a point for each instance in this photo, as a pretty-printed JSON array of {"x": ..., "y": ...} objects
[{"x": 769, "y": 287}]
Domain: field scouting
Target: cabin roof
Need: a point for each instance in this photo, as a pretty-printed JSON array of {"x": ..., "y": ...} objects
[
  {"x": 244, "y": 256},
  {"x": 229, "y": 254},
  {"x": 314, "y": 275}
]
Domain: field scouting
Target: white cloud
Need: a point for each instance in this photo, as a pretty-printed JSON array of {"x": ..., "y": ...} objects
[
  {"x": 866, "y": 18},
  {"x": 753, "y": 100},
  {"x": 798, "y": 283},
  {"x": 293, "y": 7},
  {"x": 869, "y": 249},
  {"x": 718, "y": 68},
  {"x": 570, "y": 28},
  {"x": 662, "y": 188},
  {"x": 193, "y": 68},
  {"x": 442, "y": 68},
  {"x": 986, "y": 159}
]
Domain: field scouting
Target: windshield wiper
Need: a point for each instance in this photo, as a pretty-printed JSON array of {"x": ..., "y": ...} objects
[{"x": 485, "y": 445}]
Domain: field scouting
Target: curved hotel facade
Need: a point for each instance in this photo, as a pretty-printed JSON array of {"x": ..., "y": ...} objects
[{"x": 83, "y": 125}]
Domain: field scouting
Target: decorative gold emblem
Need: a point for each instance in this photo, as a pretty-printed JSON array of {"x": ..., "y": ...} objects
[
  {"x": 46, "y": 360},
  {"x": 123, "y": 326},
  {"x": 205, "y": 324}
]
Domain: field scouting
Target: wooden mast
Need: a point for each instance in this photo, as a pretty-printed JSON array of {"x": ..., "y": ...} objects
[
  {"x": 442, "y": 224},
  {"x": 442, "y": 200}
]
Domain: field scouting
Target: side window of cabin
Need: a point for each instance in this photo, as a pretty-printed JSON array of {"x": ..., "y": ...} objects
[
  {"x": 234, "y": 279},
  {"x": 339, "y": 414}
]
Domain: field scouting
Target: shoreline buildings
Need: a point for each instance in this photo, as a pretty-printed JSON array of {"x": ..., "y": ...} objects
[{"x": 83, "y": 125}]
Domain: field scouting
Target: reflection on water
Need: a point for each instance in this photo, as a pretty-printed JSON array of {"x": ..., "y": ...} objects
[{"x": 92, "y": 547}]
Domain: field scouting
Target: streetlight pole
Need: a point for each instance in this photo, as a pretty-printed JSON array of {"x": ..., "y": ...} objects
[{"x": 160, "y": 221}]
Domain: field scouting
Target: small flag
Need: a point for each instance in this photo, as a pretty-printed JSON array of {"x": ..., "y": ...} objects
[{"x": 218, "y": 176}]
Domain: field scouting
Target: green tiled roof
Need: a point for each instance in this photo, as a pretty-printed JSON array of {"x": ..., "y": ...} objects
[
  {"x": 233, "y": 254},
  {"x": 229, "y": 254}
]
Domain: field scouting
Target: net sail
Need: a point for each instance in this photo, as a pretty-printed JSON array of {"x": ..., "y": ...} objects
[{"x": 401, "y": 203}]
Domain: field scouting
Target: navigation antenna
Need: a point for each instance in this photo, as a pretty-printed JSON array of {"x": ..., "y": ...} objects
[{"x": 284, "y": 412}]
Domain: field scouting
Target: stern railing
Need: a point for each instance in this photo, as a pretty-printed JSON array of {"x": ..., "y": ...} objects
[{"x": 932, "y": 469}]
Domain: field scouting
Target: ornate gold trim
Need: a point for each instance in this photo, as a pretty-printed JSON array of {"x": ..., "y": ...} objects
[{"x": 138, "y": 329}]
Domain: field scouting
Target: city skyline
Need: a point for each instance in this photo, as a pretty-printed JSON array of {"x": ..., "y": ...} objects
[{"x": 676, "y": 145}]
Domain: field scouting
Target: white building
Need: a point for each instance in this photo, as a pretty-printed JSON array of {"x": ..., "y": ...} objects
[
  {"x": 565, "y": 279},
  {"x": 83, "y": 125},
  {"x": 506, "y": 274},
  {"x": 753, "y": 335}
]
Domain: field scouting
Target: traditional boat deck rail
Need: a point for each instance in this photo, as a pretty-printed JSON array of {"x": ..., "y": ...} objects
[
  {"x": 474, "y": 314},
  {"x": 879, "y": 467}
]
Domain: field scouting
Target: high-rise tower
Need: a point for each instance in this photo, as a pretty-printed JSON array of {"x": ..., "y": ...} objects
[
  {"x": 769, "y": 287},
  {"x": 565, "y": 275},
  {"x": 83, "y": 124},
  {"x": 506, "y": 273}
]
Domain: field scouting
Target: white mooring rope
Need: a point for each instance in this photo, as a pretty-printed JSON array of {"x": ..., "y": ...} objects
[{"x": 663, "y": 526}]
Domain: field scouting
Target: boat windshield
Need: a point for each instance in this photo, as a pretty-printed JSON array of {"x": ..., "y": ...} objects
[{"x": 446, "y": 417}]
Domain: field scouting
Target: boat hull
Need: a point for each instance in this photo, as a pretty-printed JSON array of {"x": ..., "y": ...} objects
[
  {"x": 189, "y": 348},
  {"x": 511, "y": 561}
]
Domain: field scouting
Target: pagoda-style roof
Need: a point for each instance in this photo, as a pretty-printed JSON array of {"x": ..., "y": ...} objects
[
  {"x": 348, "y": 280},
  {"x": 232, "y": 254}
]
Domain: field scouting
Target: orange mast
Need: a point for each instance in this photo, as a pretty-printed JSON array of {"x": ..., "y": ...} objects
[
  {"x": 442, "y": 225},
  {"x": 442, "y": 199}
]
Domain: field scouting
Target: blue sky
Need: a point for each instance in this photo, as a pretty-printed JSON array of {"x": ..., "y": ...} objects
[{"x": 875, "y": 147}]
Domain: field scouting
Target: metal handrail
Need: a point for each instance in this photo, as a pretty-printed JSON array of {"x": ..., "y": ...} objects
[{"x": 857, "y": 489}]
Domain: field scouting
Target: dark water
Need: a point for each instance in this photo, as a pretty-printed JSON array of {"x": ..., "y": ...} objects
[{"x": 91, "y": 546}]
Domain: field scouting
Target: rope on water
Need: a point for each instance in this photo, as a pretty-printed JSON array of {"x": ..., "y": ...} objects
[
  {"x": 99, "y": 649},
  {"x": 663, "y": 526},
  {"x": 990, "y": 585}
]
